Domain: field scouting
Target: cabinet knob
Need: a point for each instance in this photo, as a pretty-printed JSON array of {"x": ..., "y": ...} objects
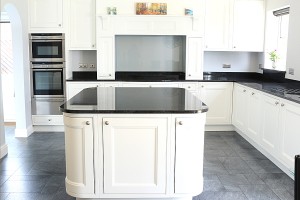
[
  {"x": 93, "y": 45},
  {"x": 276, "y": 103},
  {"x": 49, "y": 120},
  {"x": 234, "y": 47},
  {"x": 202, "y": 86},
  {"x": 87, "y": 123},
  {"x": 106, "y": 122},
  {"x": 190, "y": 75},
  {"x": 109, "y": 74},
  {"x": 253, "y": 93},
  {"x": 59, "y": 25},
  {"x": 180, "y": 123},
  {"x": 282, "y": 104},
  {"x": 244, "y": 90},
  {"x": 189, "y": 87}
]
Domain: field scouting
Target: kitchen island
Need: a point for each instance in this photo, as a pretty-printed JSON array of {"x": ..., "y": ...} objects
[{"x": 134, "y": 143}]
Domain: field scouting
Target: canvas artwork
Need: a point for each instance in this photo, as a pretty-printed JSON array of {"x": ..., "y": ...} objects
[{"x": 151, "y": 8}]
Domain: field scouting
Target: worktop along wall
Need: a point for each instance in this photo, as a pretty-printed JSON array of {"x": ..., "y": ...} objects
[{"x": 239, "y": 61}]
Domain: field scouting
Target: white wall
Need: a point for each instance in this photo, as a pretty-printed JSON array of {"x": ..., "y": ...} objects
[
  {"x": 239, "y": 61},
  {"x": 275, "y": 4},
  {"x": 18, "y": 14}
]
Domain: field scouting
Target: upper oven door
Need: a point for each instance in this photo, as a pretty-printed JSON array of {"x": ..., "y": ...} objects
[{"x": 47, "y": 50}]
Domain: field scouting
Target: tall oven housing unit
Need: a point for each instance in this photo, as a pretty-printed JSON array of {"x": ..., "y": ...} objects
[{"x": 47, "y": 58}]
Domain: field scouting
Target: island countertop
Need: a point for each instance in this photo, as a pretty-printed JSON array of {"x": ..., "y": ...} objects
[{"x": 134, "y": 100}]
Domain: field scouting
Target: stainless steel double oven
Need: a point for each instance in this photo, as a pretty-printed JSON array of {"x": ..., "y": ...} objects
[{"x": 47, "y": 56}]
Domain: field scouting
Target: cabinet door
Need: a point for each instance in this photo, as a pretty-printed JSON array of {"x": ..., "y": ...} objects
[
  {"x": 253, "y": 115},
  {"x": 289, "y": 133},
  {"x": 83, "y": 24},
  {"x": 270, "y": 124},
  {"x": 79, "y": 155},
  {"x": 239, "y": 107},
  {"x": 218, "y": 98},
  {"x": 105, "y": 58},
  {"x": 75, "y": 88},
  {"x": 189, "y": 155},
  {"x": 217, "y": 24},
  {"x": 248, "y": 26},
  {"x": 194, "y": 60},
  {"x": 134, "y": 155},
  {"x": 46, "y": 13}
]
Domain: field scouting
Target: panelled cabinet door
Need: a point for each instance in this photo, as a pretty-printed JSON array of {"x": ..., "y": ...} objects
[
  {"x": 105, "y": 58},
  {"x": 240, "y": 107},
  {"x": 254, "y": 116},
  {"x": 189, "y": 155},
  {"x": 46, "y": 13},
  {"x": 134, "y": 155},
  {"x": 270, "y": 124},
  {"x": 217, "y": 24},
  {"x": 289, "y": 133},
  {"x": 194, "y": 60},
  {"x": 79, "y": 146},
  {"x": 248, "y": 26},
  {"x": 82, "y": 24},
  {"x": 218, "y": 98}
]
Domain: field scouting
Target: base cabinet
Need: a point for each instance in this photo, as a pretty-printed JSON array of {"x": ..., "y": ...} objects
[
  {"x": 134, "y": 155},
  {"x": 270, "y": 123},
  {"x": 79, "y": 140}
]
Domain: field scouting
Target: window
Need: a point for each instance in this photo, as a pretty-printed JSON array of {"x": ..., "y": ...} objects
[{"x": 277, "y": 25}]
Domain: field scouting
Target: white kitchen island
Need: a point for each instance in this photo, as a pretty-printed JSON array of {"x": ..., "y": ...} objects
[{"x": 134, "y": 143}]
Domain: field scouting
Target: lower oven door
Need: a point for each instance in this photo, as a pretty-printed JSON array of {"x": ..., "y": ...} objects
[{"x": 46, "y": 106}]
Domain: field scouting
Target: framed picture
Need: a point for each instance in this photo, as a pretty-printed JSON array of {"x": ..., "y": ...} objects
[{"x": 151, "y": 8}]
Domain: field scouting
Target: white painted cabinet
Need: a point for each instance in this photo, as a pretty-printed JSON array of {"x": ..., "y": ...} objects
[
  {"x": 105, "y": 58},
  {"x": 254, "y": 107},
  {"x": 248, "y": 25},
  {"x": 217, "y": 24},
  {"x": 239, "y": 118},
  {"x": 135, "y": 155},
  {"x": 289, "y": 133},
  {"x": 270, "y": 124},
  {"x": 194, "y": 59},
  {"x": 234, "y": 25},
  {"x": 149, "y": 84},
  {"x": 189, "y": 142},
  {"x": 46, "y": 15},
  {"x": 82, "y": 16},
  {"x": 218, "y": 97},
  {"x": 79, "y": 137}
]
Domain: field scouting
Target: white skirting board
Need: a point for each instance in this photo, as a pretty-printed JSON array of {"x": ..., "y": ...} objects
[
  {"x": 23, "y": 132},
  {"x": 228, "y": 127},
  {"x": 3, "y": 150}
]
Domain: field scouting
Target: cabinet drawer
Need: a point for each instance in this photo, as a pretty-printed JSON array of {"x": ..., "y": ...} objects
[{"x": 47, "y": 120}]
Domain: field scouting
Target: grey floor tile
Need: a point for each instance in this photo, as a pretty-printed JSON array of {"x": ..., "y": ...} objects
[
  {"x": 221, "y": 195},
  {"x": 233, "y": 163},
  {"x": 258, "y": 192},
  {"x": 263, "y": 166},
  {"x": 277, "y": 180},
  {"x": 233, "y": 179},
  {"x": 213, "y": 185},
  {"x": 23, "y": 186},
  {"x": 3, "y": 195},
  {"x": 283, "y": 194}
]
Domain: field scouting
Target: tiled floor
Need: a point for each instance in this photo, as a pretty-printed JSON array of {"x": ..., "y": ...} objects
[{"x": 233, "y": 170}]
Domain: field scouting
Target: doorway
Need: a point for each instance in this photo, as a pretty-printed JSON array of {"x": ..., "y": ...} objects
[{"x": 7, "y": 71}]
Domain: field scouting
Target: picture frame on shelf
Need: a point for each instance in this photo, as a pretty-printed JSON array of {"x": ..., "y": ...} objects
[{"x": 151, "y": 8}]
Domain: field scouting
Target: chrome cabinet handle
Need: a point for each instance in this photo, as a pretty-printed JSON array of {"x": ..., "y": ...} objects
[
  {"x": 59, "y": 25},
  {"x": 282, "y": 104},
  {"x": 180, "y": 123},
  {"x": 253, "y": 93},
  {"x": 106, "y": 122},
  {"x": 276, "y": 103},
  {"x": 244, "y": 90},
  {"x": 49, "y": 120},
  {"x": 87, "y": 123}
]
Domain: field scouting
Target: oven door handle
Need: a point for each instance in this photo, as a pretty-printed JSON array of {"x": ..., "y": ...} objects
[
  {"x": 56, "y": 69},
  {"x": 36, "y": 40}
]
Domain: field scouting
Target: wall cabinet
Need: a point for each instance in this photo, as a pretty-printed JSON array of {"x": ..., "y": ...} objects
[
  {"x": 135, "y": 155},
  {"x": 79, "y": 137},
  {"x": 234, "y": 25},
  {"x": 194, "y": 59},
  {"x": 218, "y": 97},
  {"x": 46, "y": 15},
  {"x": 82, "y": 29},
  {"x": 105, "y": 58}
]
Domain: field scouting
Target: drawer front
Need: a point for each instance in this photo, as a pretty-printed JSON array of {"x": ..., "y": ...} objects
[{"x": 47, "y": 120}]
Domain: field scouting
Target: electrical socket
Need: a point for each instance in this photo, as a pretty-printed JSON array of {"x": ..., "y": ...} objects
[
  {"x": 80, "y": 65},
  {"x": 226, "y": 65},
  {"x": 92, "y": 65},
  {"x": 85, "y": 65}
]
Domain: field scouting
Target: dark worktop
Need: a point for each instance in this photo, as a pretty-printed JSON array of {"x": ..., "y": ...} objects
[
  {"x": 134, "y": 100},
  {"x": 270, "y": 81}
]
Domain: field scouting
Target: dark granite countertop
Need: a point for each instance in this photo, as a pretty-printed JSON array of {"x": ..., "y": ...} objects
[
  {"x": 270, "y": 81},
  {"x": 134, "y": 100}
]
